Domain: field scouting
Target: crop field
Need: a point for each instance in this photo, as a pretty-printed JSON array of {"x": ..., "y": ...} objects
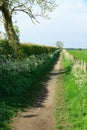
[{"x": 79, "y": 54}]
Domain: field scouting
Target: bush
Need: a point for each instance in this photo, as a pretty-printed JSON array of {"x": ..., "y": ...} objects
[
  {"x": 17, "y": 75},
  {"x": 32, "y": 49},
  {"x": 24, "y": 50},
  {"x": 6, "y": 49}
]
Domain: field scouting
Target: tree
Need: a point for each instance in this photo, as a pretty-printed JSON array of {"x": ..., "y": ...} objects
[
  {"x": 59, "y": 44},
  {"x": 79, "y": 49},
  {"x": 33, "y": 8}
]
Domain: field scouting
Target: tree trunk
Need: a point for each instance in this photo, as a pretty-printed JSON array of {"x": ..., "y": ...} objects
[{"x": 11, "y": 34}]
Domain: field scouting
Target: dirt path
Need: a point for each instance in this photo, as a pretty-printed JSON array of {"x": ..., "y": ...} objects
[{"x": 40, "y": 116}]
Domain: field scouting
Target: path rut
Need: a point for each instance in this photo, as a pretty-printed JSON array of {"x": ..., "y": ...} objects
[{"x": 41, "y": 115}]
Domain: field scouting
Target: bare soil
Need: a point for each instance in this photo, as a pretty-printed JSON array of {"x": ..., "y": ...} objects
[{"x": 41, "y": 115}]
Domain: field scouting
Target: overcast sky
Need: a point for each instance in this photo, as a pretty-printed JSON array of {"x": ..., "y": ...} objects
[{"x": 68, "y": 23}]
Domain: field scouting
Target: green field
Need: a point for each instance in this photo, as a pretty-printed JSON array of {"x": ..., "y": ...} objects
[{"x": 79, "y": 54}]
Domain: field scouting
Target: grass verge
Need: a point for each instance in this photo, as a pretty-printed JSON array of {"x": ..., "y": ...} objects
[
  {"x": 75, "y": 89},
  {"x": 61, "y": 116}
]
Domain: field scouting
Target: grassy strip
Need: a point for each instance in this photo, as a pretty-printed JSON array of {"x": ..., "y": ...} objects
[
  {"x": 61, "y": 116},
  {"x": 79, "y": 54},
  {"x": 11, "y": 104},
  {"x": 76, "y": 98}
]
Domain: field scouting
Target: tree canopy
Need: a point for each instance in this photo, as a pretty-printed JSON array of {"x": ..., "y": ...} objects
[
  {"x": 59, "y": 44},
  {"x": 33, "y": 8}
]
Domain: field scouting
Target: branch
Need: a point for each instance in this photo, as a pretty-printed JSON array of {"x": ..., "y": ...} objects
[
  {"x": 16, "y": 7},
  {"x": 40, "y": 8},
  {"x": 25, "y": 9},
  {"x": 29, "y": 13}
]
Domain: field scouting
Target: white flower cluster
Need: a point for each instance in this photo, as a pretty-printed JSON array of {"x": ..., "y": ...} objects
[
  {"x": 79, "y": 75},
  {"x": 27, "y": 64}
]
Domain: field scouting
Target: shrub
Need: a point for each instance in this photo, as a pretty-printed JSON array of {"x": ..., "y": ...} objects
[
  {"x": 15, "y": 74},
  {"x": 32, "y": 49},
  {"x": 6, "y": 49}
]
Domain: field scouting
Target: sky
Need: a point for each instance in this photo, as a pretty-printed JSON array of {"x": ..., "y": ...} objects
[{"x": 68, "y": 24}]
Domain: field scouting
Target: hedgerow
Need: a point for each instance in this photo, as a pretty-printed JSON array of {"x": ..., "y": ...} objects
[
  {"x": 30, "y": 49},
  {"x": 15, "y": 73},
  {"x": 6, "y": 49},
  {"x": 24, "y": 50},
  {"x": 19, "y": 74}
]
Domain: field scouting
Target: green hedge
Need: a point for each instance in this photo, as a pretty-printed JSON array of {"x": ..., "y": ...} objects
[
  {"x": 6, "y": 49},
  {"x": 17, "y": 75},
  {"x": 30, "y": 49},
  {"x": 25, "y": 50}
]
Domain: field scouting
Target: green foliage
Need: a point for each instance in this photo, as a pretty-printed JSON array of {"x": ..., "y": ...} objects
[
  {"x": 79, "y": 49},
  {"x": 6, "y": 113},
  {"x": 24, "y": 50},
  {"x": 19, "y": 76},
  {"x": 32, "y": 49},
  {"x": 60, "y": 109},
  {"x": 14, "y": 73},
  {"x": 76, "y": 97},
  {"x": 61, "y": 114},
  {"x": 6, "y": 49},
  {"x": 66, "y": 62}
]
